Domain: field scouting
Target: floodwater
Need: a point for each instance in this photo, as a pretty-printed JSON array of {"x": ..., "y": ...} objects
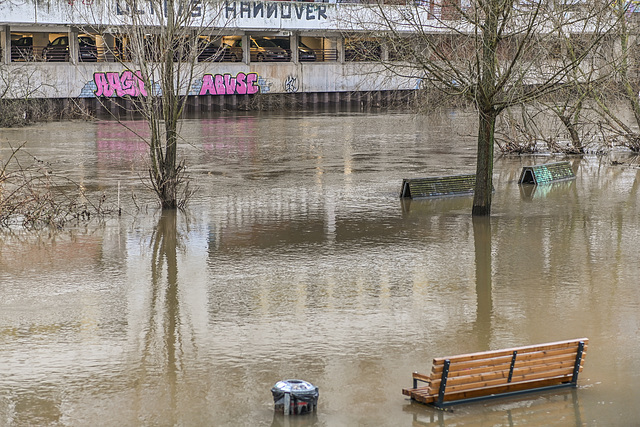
[{"x": 297, "y": 259}]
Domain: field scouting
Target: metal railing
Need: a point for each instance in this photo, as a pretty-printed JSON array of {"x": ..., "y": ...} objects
[
  {"x": 53, "y": 54},
  {"x": 106, "y": 54},
  {"x": 326, "y": 55}
]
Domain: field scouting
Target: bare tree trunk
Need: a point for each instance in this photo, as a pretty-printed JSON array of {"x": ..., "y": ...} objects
[
  {"x": 487, "y": 112},
  {"x": 629, "y": 94},
  {"x": 165, "y": 170},
  {"x": 170, "y": 111},
  {"x": 169, "y": 196},
  {"x": 630, "y": 91},
  {"x": 484, "y": 167},
  {"x": 571, "y": 126}
]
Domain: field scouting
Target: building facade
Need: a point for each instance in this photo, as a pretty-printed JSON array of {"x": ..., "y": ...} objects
[{"x": 78, "y": 50}]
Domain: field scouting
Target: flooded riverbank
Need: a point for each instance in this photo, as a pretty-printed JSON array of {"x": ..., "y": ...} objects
[{"x": 297, "y": 259}]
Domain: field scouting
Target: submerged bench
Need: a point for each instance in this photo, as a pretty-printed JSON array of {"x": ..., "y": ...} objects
[
  {"x": 498, "y": 373},
  {"x": 438, "y": 186},
  {"x": 545, "y": 174}
]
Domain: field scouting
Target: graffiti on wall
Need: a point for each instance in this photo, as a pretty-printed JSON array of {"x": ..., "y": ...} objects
[
  {"x": 119, "y": 84},
  {"x": 258, "y": 9},
  {"x": 225, "y": 84},
  {"x": 291, "y": 84},
  {"x": 127, "y": 7},
  {"x": 129, "y": 83}
]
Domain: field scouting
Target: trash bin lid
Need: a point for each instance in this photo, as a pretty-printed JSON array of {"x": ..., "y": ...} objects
[{"x": 294, "y": 386}]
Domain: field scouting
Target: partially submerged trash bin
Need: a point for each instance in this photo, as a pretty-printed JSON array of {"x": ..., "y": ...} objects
[{"x": 295, "y": 396}]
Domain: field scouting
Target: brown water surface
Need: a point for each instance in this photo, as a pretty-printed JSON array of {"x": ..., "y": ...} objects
[{"x": 297, "y": 259}]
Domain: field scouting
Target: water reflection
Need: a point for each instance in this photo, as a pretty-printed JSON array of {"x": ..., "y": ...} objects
[
  {"x": 306, "y": 420},
  {"x": 484, "y": 310},
  {"x": 419, "y": 208},
  {"x": 167, "y": 321},
  {"x": 37, "y": 343},
  {"x": 530, "y": 192},
  {"x": 560, "y": 409},
  {"x": 299, "y": 260},
  {"x": 229, "y": 137},
  {"x": 164, "y": 312}
]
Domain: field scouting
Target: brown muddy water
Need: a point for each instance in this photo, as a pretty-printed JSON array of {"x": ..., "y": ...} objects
[{"x": 297, "y": 259}]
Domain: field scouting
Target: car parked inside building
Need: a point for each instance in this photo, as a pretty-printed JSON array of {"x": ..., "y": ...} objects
[
  {"x": 305, "y": 53},
  {"x": 58, "y": 49},
  {"x": 22, "y": 49},
  {"x": 218, "y": 52},
  {"x": 264, "y": 50}
]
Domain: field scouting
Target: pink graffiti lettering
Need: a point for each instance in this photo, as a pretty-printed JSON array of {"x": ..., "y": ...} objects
[
  {"x": 252, "y": 86},
  {"x": 128, "y": 83},
  {"x": 102, "y": 86},
  {"x": 225, "y": 84},
  {"x": 241, "y": 88},
  {"x": 229, "y": 83},
  {"x": 207, "y": 84},
  {"x": 120, "y": 84},
  {"x": 114, "y": 81},
  {"x": 143, "y": 90},
  {"x": 220, "y": 89}
]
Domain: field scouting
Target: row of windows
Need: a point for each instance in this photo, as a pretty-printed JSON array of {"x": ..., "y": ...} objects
[
  {"x": 54, "y": 47},
  {"x": 34, "y": 47}
]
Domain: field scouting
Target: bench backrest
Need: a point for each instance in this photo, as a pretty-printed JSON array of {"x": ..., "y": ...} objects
[
  {"x": 438, "y": 186},
  {"x": 510, "y": 370}
]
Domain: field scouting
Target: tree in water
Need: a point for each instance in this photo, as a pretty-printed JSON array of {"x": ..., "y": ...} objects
[
  {"x": 159, "y": 42},
  {"x": 493, "y": 53}
]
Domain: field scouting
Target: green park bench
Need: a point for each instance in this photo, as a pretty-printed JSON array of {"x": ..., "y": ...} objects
[
  {"x": 547, "y": 173},
  {"x": 438, "y": 186}
]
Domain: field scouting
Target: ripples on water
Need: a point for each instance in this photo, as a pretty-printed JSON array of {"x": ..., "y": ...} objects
[{"x": 298, "y": 259}]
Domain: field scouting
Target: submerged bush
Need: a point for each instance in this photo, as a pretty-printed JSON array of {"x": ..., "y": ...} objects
[
  {"x": 21, "y": 112},
  {"x": 33, "y": 196}
]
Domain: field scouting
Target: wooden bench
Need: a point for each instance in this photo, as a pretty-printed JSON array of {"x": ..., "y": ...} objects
[{"x": 487, "y": 374}]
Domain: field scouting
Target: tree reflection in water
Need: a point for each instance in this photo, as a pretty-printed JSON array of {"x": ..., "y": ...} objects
[
  {"x": 164, "y": 312},
  {"x": 561, "y": 408},
  {"x": 482, "y": 244}
]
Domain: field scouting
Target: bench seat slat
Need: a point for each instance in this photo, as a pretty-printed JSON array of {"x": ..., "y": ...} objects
[
  {"x": 507, "y": 352},
  {"x": 504, "y": 373},
  {"x": 427, "y": 395},
  {"x": 420, "y": 394},
  {"x": 506, "y": 388}
]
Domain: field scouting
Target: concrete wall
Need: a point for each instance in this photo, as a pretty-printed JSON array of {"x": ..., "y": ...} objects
[{"x": 64, "y": 80}]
